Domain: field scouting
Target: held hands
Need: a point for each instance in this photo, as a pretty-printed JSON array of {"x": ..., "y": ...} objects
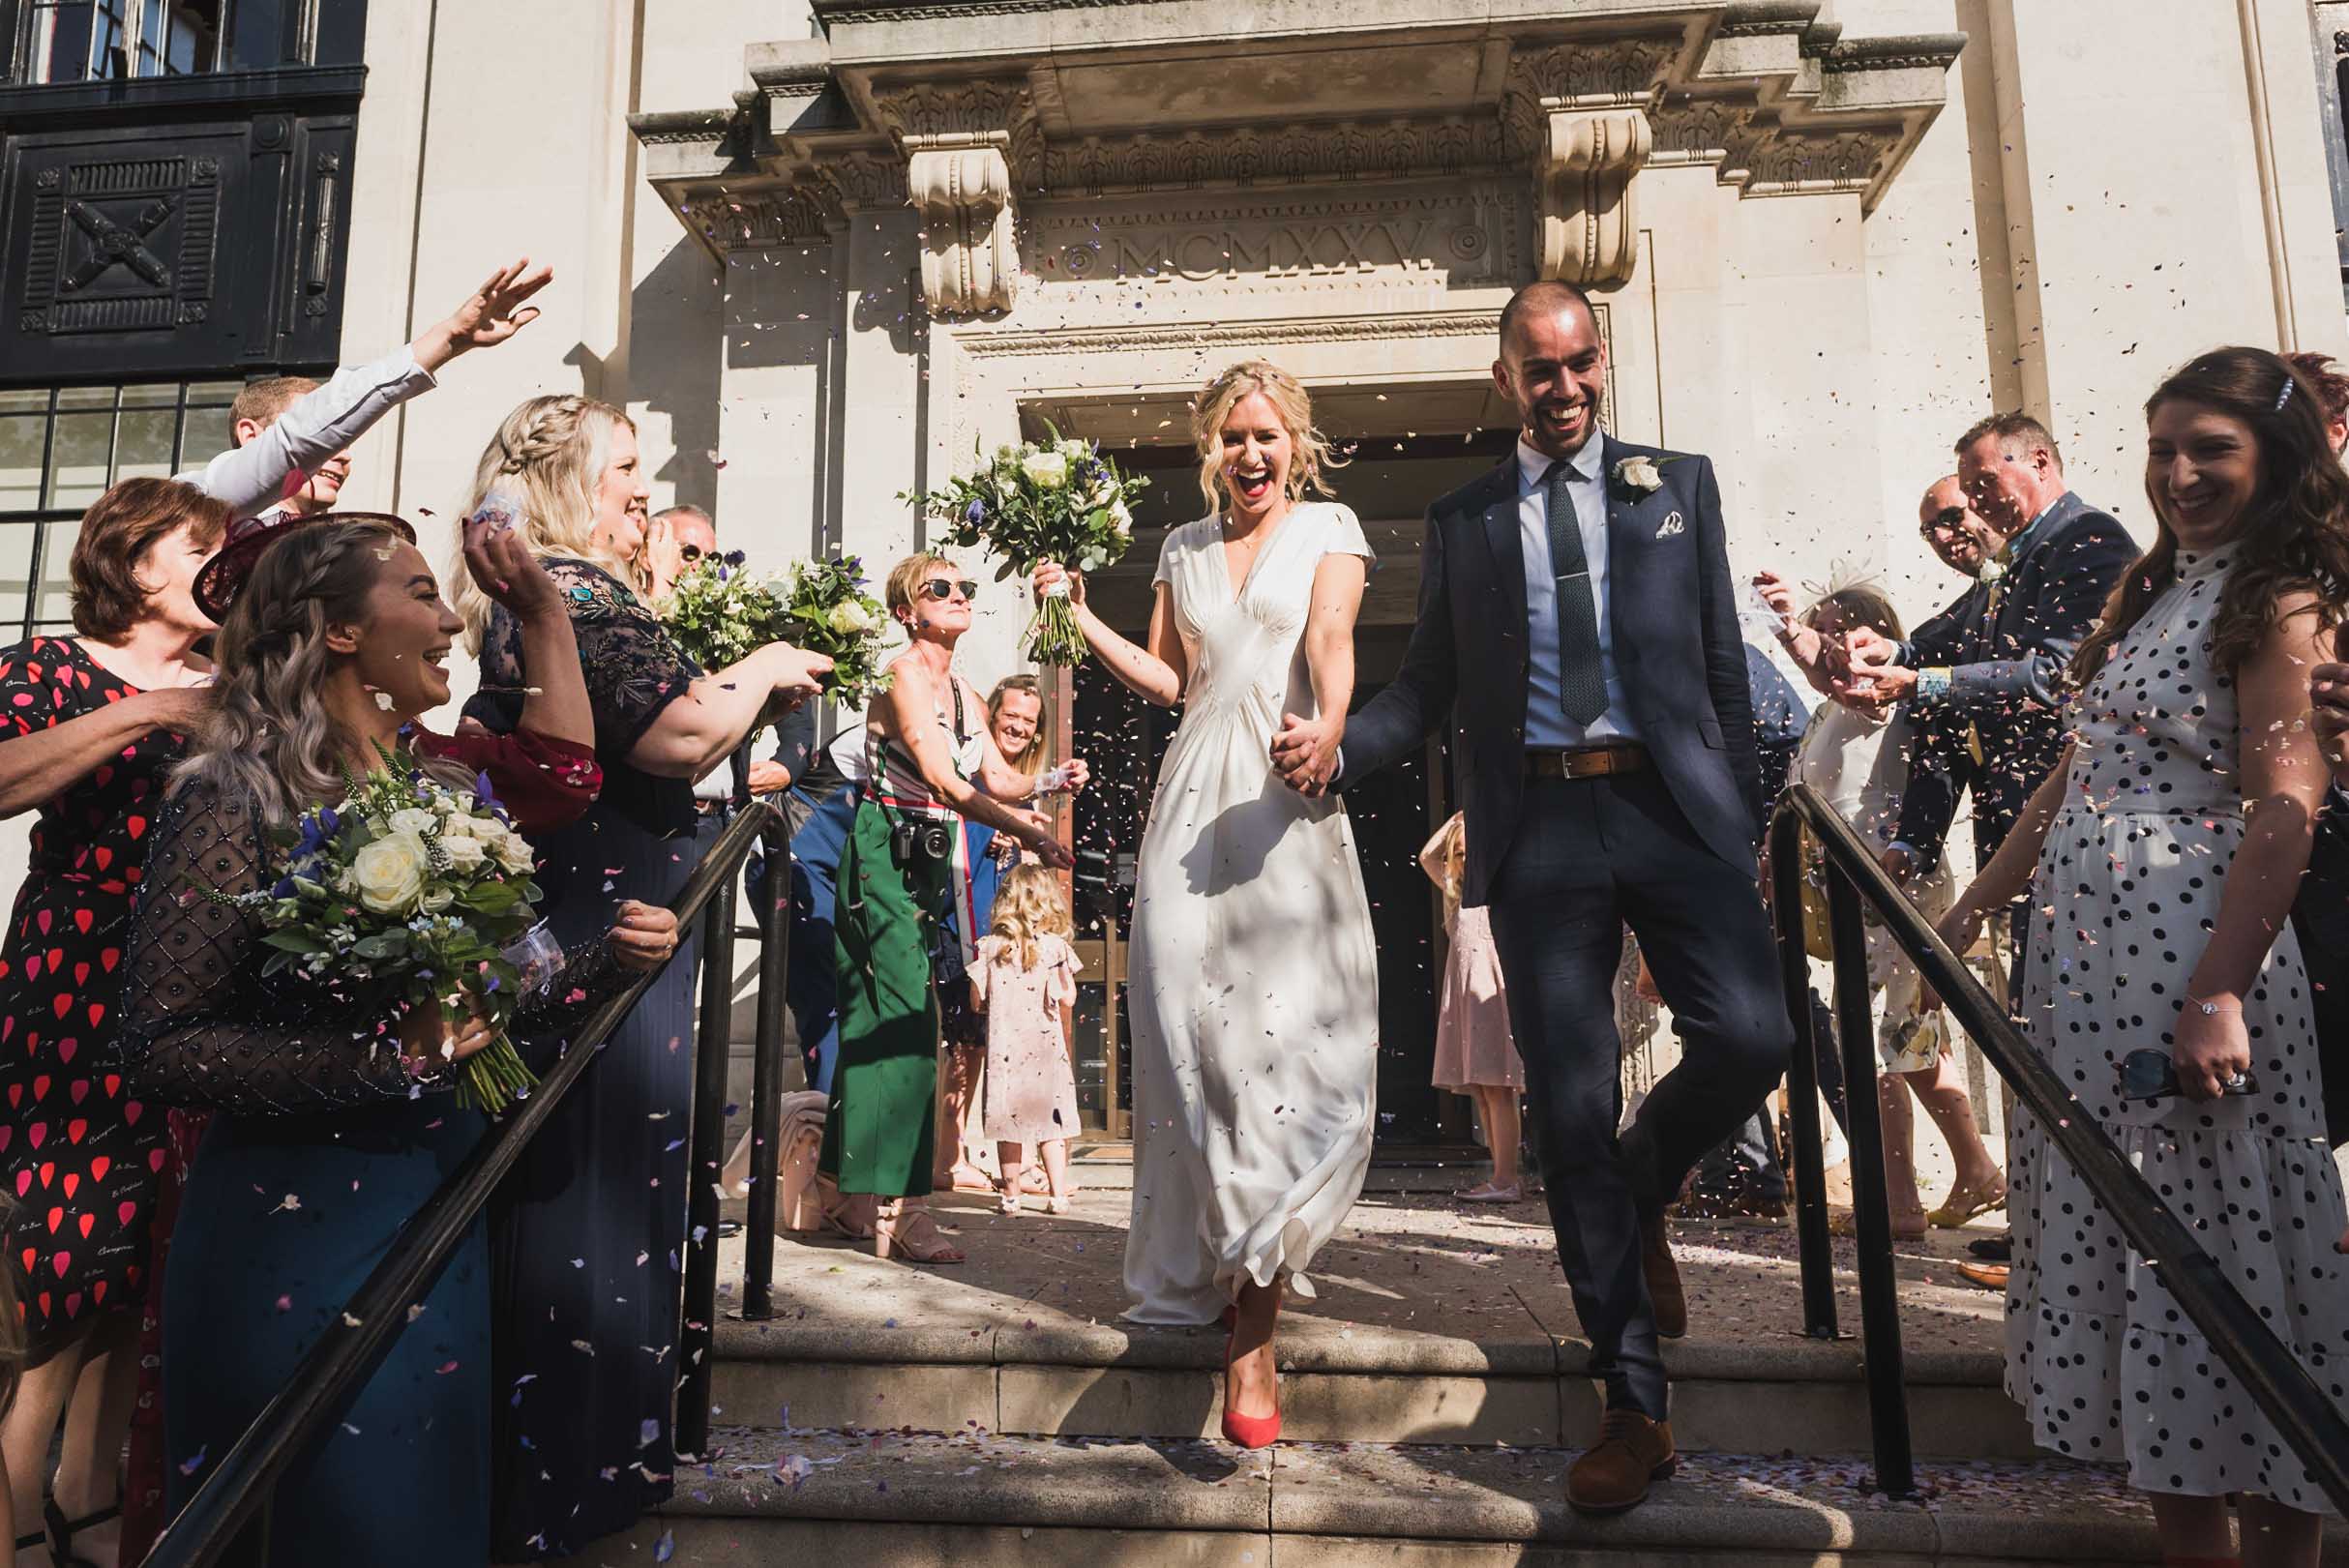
[
  {"x": 2328, "y": 708},
  {"x": 1870, "y": 680},
  {"x": 494, "y": 313},
  {"x": 1305, "y": 752},
  {"x": 643, "y": 937},
  {"x": 506, "y": 569}
]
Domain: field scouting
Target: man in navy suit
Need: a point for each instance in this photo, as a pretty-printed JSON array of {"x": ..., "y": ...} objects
[{"x": 1578, "y": 625}]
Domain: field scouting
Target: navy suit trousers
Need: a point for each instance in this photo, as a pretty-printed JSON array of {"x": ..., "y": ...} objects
[{"x": 1591, "y": 855}]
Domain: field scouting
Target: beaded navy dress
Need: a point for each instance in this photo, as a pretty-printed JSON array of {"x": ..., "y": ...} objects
[{"x": 588, "y": 1232}]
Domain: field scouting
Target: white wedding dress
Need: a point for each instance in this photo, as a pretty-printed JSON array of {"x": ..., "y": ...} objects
[{"x": 1252, "y": 982}]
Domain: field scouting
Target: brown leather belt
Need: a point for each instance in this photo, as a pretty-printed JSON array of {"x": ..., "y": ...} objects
[{"x": 1588, "y": 761}]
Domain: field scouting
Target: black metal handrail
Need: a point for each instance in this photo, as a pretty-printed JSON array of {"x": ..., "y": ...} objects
[
  {"x": 355, "y": 1343},
  {"x": 2303, "y": 1416}
]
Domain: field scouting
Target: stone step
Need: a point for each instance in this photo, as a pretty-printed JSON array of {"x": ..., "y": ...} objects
[
  {"x": 978, "y": 1499},
  {"x": 1340, "y": 1383}
]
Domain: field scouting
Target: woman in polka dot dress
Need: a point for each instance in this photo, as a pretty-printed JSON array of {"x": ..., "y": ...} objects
[
  {"x": 89, "y": 726},
  {"x": 2170, "y": 847}
]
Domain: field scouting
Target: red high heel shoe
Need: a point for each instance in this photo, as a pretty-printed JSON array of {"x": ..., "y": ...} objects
[{"x": 1248, "y": 1430}]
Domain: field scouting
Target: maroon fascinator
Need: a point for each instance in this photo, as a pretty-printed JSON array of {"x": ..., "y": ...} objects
[{"x": 248, "y": 540}]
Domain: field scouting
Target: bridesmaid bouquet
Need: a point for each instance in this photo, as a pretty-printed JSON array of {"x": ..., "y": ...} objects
[
  {"x": 1059, "y": 500},
  {"x": 411, "y": 883},
  {"x": 720, "y": 612}
]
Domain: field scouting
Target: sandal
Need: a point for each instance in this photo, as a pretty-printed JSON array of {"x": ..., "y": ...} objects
[
  {"x": 1966, "y": 1203},
  {"x": 61, "y": 1532},
  {"x": 836, "y": 1222},
  {"x": 1487, "y": 1193},
  {"x": 1840, "y": 1222},
  {"x": 1009, "y": 1203},
  {"x": 1057, "y": 1204},
  {"x": 967, "y": 1178},
  {"x": 926, "y": 1244}
]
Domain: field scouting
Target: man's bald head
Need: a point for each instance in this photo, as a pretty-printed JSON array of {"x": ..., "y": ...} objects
[{"x": 1543, "y": 299}]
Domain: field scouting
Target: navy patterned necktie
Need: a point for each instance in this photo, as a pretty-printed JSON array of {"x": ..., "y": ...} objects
[{"x": 1582, "y": 679}]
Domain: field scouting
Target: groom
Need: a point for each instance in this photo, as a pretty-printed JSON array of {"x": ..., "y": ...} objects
[{"x": 1577, "y": 624}]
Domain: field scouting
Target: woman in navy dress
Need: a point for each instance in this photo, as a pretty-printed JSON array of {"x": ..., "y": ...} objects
[
  {"x": 590, "y": 1225},
  {"x": 334, "y": 1124}
]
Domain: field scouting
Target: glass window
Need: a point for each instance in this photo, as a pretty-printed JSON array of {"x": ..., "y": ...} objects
[
  {"x": 67, "y": 41},
  {"x": 59, "y": 450}
]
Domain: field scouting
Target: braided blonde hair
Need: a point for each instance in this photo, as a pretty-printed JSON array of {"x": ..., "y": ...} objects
[
  {"x": 549, "y": 456},
  {"x": 271, "y": 734},
  {"x": 1311, "y": 450}
]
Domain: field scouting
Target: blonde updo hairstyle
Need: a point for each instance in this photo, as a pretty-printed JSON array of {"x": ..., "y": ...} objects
[
  {"x": 1311, "y": 451},
  {"x": 548, "y": 455}
]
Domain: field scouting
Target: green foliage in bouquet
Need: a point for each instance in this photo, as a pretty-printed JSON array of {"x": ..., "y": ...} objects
[
  {"x": 829, "y": 611},
  {"x": 1060, "y": 500},
  {"x": 413, "y": 884},
  {"x": 720, "y": 612}
]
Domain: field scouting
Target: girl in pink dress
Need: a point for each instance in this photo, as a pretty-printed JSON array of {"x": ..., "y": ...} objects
[
  {"x": 1475, "y": 1055},
  {"x": 1025, "y": 981}
]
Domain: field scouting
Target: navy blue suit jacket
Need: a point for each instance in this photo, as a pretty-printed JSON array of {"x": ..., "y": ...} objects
[
  {"x": 1677, "y": 651},
  {"x": 2007, "y": 676}
]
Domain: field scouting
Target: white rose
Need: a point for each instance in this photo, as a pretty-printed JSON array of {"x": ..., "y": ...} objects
[
  {"x": 389, "y": 873},
  {"x": 412, "y": 819},
  {"x": 459, "y": 827},
  {"x": 513, "y": 852},
  {"x": 1073, "y": 449},
  {"x": 1122, "y": 520},
  {"x": 849, "y": 617},
  {"x": 1638, "y": 474},
  {"x": 465, "y": 854},
  {"x": 1046, "y": 470},
  {"x": 437, "y": 899}
]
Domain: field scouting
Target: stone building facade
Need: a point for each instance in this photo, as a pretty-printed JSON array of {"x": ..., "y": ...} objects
[{"x": 819, "y": 269}]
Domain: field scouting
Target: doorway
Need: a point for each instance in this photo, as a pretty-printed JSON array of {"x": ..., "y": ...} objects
[{"x": 1389, "y": 482}]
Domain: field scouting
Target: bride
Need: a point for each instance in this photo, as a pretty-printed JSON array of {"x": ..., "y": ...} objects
[{"x": 1253, "y": 983}]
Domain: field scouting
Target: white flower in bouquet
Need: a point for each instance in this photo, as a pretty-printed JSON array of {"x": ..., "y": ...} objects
[
  {"x": 512, "y": 854},
  {"x": 414, "y": 820},
  {"x": 1058, "y": 500},
  {"x": 465, "y": 851},
  {"x": 388, "y": 874},
  {"x": 848, "y": 618}
]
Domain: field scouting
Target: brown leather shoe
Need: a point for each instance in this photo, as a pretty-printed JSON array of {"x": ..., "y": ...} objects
[
  {"x": 1664, "y": 1291},
  {"x": 1614, "y": 1472}
]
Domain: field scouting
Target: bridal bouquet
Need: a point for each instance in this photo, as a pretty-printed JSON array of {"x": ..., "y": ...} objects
[
  {"x": 1060, "y": 500},
  {"x": 720, "y": 612},
  {"x": 411, "y": 883}
]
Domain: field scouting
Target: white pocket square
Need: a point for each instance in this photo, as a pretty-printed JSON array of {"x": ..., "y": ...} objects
[{"x": 1671, "y": 525}]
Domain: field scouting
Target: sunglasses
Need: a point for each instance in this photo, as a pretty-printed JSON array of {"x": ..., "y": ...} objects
[
  {"x": 2152, "y": 1074},
  {"x": 1949, "y": 519},
  {"x": 690, "y": 553},
  {"x": 945, "y": 588}
]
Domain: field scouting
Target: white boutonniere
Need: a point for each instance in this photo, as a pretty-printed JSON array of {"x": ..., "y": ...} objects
[
  {"x": 1639, "y": 476},
  {"x": 1993, "y": 570}
]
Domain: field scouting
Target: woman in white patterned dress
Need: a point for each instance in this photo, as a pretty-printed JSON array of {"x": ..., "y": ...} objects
[
  {"x": 1253, "y": 983},
  {"x": 2169, "y": 848}
]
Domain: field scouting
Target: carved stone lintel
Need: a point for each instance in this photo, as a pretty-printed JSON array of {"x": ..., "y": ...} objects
[
  {"x": 753, "y": 218},
  {"x": 1584, "y": 181},
  {"x": 970, "y": 259}
]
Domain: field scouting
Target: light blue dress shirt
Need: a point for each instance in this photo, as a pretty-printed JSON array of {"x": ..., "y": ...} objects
[{"x": 1547, "y": 726}]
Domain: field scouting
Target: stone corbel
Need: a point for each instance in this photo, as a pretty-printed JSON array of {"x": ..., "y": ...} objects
[
  {"x": 965, "y": 144},
  {"x": 1587, "y": 236},
  {"x": 970, "y": 259},
  {"x": 1578, "y": 114}
]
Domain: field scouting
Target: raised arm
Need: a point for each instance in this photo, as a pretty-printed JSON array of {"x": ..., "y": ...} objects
[
  {"x": 253, "y": 477},
  {"x": 194, "y": 1031},
  {"x": 1156, "y": 673},
  {"x": 556, "y": 705}
]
